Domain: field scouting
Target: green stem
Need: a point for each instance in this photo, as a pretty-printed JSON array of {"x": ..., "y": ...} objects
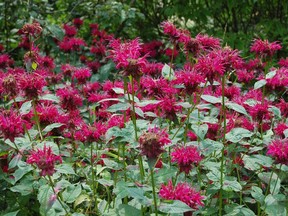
[
  {"x": 223, "y": 141},
  {"x": 37, "y": 119},
  {"x": 58, "y": 197},
  {"x": 93, "y": 177},
  {"x": 154, "y": 193}
]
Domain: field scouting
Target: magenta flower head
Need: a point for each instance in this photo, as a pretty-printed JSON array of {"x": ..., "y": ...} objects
[
  {"x": 185, "y": 156},
  {"x": 152, "y": 142},
  {"x": 34, "y": 29},
  {"x": 70, "y": 98},
  {"x": 279, "y": 150},
  {"x": 264, "y": 47},
  {"x": 183, "y": 192},
  {"x": 11, "y": 125},
  {"x": 31, "y": 84},
  {"x": 45, "y": 160},
  {"x": 127, "y": 57},
  {"x": 82, "y": 74}
]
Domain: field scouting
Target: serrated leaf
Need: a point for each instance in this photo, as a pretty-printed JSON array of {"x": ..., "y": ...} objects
[
  {"x": 208, "y": 146},
  {"x": 127, "y": 210},
  {"x": 80, "y": 199},
  {"x": 236, "y": 107},
  {"x": 137, "y": 193},
  {"x": 50, "y": 97},
  {"x": 119, "y": 107},
  {"x": 237, "y": 134},
  {"x": 259, "y": 84},
  {"x": 200, "y": 130},
  {"x": 168, "y": 72},
  {"x": 175, "y": 207},
  {"x": 56, "y": 31},
  {"x": 257, "y": 194},
  {"x": 232, "y": 186},
  {"x": 50, "y": 127},
  {"x": 26, "y": 107},
  {"x": 271, "y": 74},
  {"x": 71, "y": 193},
  {"x": 139, "y": 112},
  {"x": 118, "y": 90},
  {"x": 14, "y": 213},
  {"x": 211, "y": 99},
  {"x": 65, "y": 169}
]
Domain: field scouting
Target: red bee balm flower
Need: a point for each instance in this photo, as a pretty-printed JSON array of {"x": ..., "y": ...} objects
[
  {"x": 279, "y": 150},
  {"x": 264, "y": 48},
  {"x": 182, "y": 192},
  {"x": 185, "y": 157},
  {"x": 11, "y": 125},
  {"x": 45, "y": 160},
  {"x": 127, "y": 56}
]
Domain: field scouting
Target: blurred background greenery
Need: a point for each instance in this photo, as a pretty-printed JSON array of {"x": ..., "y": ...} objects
[{"x": 236, "y": 22}]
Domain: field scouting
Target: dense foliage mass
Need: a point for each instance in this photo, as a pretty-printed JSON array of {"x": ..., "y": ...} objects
[{"x": 104, "y": 126}]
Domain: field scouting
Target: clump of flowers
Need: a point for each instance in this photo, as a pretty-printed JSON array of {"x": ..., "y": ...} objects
[
  {"x": 183, "y": 192},
  {"x": 185, "y": 156},
  {"x": 45, "y": 160},
  {"x": 152, "y": 142},
  {"x": 279, "y": 150}
]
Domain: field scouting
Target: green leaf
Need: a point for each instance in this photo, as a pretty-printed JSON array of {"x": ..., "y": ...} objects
[
  {"x": 271, "y": 74},
  {"x": 65, "y": 169},
  {"x": 139, "y": 112},
  {"x": 164, "y": 174},
  {"x": 257, "y": 194},
  {"x": 26, "y": 107},
  {"x": 259, "y": 84},
  {"x": 231, "y": 186},
  {"x": 127, "y": 210},
  {"x": 50, "y": 127},
  {"x": 50, "y": 97},
  {"x": 147, "y": 102},
  {"x": 200, "y": 130},
  {"x": 175, "y": 207},
  {"x": 112, "y": 164},
  {"x": 208, "y": 146},
  {"x": 168, "y": 72},
  {"x": 105, "y": 182},
  {"x": 211, "y": 99},
  {"x": 237, "y": 134},
  {"x": 21, "y": 171},
  {"x": 14, "y": 162},
  {"x": 118, "y": 107},
  {"x": 34, "y": 65},
  {"x": 118, "y": 90},
  {"x": 80, "y": 199},
  {"x": 275, "y": 210},
  {"x": 238, "y": 108},
  {"x": 24, "y": 187},
  {"x": 275, "y": 182},
  {"x": 14, "y": 213},
  {"x": 71, "y": 193},
  {"x": 56, "y": 31},
  {"x": 255, "y": 162},
  {"x": 138, "y": 194}
]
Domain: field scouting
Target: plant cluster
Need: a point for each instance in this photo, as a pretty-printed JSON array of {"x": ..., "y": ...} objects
[{"x": 106, "y": 126}]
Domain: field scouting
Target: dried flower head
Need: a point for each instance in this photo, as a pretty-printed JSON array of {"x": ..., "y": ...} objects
[{"x": 152, "y": 142}]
